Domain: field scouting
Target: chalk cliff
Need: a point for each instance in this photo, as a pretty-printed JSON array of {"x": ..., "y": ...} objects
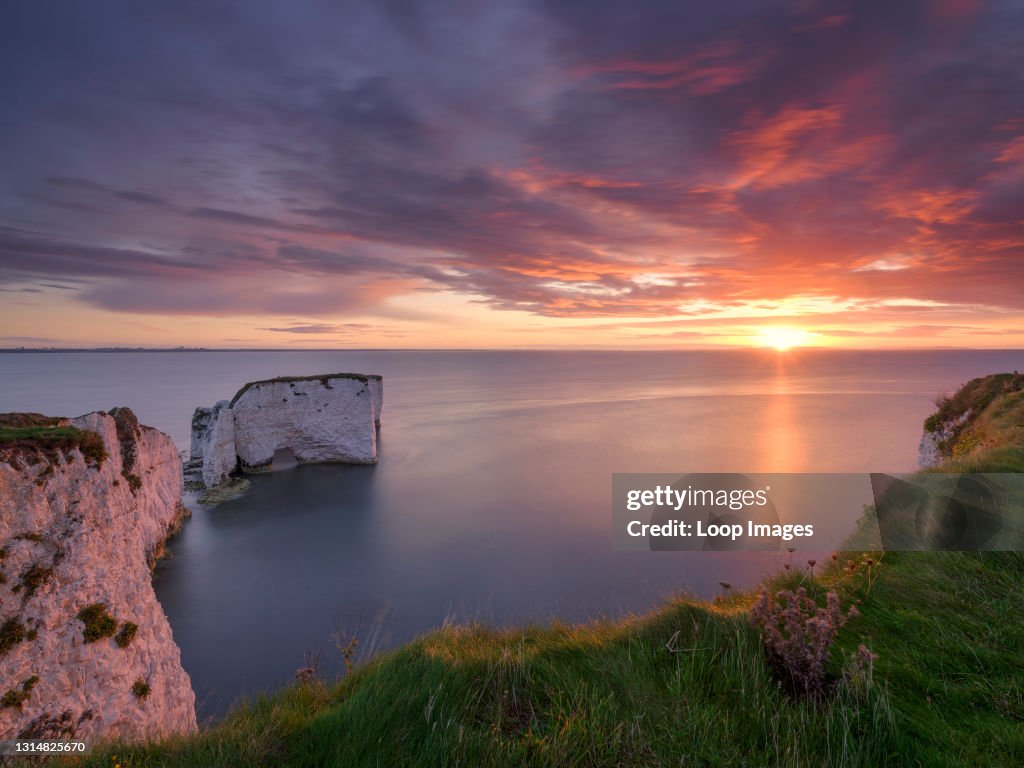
[
  {"x": 936, "y": 443},
  {"x": 327, "y": 418},
  {"x": 213, "y": 441},
  {"x": 85, "y": 648}
]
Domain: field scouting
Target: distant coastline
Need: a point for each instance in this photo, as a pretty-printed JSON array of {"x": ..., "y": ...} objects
[
  {"x": 16, "y": 350},
  {"x": 662, "y": 350},
  {"x": 64, "y": 350}
]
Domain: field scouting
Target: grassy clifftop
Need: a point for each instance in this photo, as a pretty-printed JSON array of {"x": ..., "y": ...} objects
[
  {"x": 33, "y": 437},
  {"x": 688, "y": 684},
  {"x": 981, "y": 426}
]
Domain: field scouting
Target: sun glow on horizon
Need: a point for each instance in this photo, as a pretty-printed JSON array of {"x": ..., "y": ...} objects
[{"x": 784, "y": 338}]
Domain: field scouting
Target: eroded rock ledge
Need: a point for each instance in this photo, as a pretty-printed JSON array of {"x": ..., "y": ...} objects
[
  {"x": 86, "y": 505},
  {"x": 326, "y": 418}
]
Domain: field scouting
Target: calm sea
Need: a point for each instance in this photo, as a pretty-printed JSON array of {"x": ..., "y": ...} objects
[{"x": 491, "y": 500}]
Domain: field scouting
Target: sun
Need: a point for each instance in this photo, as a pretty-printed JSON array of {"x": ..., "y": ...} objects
[{"x": 782, "y": 338}]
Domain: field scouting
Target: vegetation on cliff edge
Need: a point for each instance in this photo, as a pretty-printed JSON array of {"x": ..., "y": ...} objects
[
  {"x": 34, "y": 437},
  {"x": 983, "y": 425}
]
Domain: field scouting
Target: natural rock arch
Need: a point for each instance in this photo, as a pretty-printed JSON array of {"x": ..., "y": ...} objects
[{"x": 326, "y": 418}]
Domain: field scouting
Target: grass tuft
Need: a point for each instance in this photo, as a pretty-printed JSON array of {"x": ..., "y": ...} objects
[
  {"x": 141, "y": 689},
  {"x": 33, "y": 443},
  {"x": 33, "y": 578},
  {"x": 12, "y": 632},
  {"x": 98, "y": 622},
  {"x": 126, "y": 634}
]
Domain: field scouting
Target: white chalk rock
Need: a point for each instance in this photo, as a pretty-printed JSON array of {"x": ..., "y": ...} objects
[
  {"x": 929, "y": 452},
  {"x": 219, "y": 456},
  {"x": 78, "y": 530},
  {"x": 202, "y": 423},
  {"x": 320, "y": 419},
  {"x": 377, "y": 393},
  {"x": 934, "y": 448}
]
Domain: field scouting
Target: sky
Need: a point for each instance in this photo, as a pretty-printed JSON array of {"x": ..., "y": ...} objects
[{"x": 586, "y": 173}]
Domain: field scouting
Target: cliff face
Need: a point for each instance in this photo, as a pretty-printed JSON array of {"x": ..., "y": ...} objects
[
  {"x": 376, "y": 385},
  {"x": 329, "y": 419},
  {"x": 938, "y": 439},
  {"x": 85, "y": 648},
  {"x": 213, "y": 441},
  {"x": 325, "y": 418}
]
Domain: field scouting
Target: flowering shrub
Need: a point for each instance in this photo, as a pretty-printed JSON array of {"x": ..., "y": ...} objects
[{"x": 797, "y": 635}]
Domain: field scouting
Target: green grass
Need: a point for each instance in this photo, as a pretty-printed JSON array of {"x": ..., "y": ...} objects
[
  {"x": 141, "y": 689},
  {"x": 12, "y": 632},
  {"x": 948, "y": 690},
  {"x": 25, "y": 420},
  {"x": 97, "y": 621},
  {"x": 126, "y": 634},
  {"x": 994, "y": 411},
  {"x": 974, "y": 397},
  {"x": 993, "y": 441},
  {"x": 15, "y": 697},
  {"x": 684, "y": 685},
  {"x": 32, "y": 436}
]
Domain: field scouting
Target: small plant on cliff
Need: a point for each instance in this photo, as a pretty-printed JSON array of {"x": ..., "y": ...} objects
[
  {"x": 98, "y": 622},
  {"x": 59, "y": 727},
  {"x": 12, "y": 632},
  {"x": 15, "y": 697},
  {"x": 126, "y": 635},
  {"x": 128, "y": 431},
  {"x": 798, "y": 634},
  {"x": 34, "y": 577},
  {"x": 141, "y": 688},
  {"x": 347, "y": 643},
  {"x": 42, "y": 476}
]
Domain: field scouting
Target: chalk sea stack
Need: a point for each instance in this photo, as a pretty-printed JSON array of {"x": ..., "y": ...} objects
[
  {"x": 326, "y": 418},
  {"x": 86, "y": 651}
]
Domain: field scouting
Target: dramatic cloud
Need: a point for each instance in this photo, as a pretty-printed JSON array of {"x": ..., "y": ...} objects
[{"x": 579, "y": 160}]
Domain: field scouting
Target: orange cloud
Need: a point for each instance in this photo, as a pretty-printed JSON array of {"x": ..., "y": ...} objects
[
  {"x": 930, "y": 206},
  {"x": 702, "y": 73},
  {"x": 797, "y": 144}
]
